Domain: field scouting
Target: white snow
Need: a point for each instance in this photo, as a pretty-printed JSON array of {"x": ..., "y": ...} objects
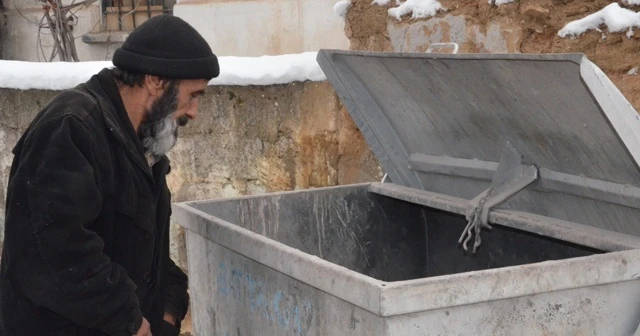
[
  {"x": 341, "y": 7},
  {"x": 417, "y": 8},
  {"x": 384, "y": 2},
  {"x": 614, "y": 17},
  {"x": 502, "y": 2},
  {"x": 263, "y": 70},
  {"x": 633, "y": 72},
  {"x": 269, "y": 70},
  {"x": 632, "y": 2},
  {"x": 630, "y": 33}
]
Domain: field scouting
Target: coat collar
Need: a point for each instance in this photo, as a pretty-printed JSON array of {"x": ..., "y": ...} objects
[{"x": 117, "y": 120}]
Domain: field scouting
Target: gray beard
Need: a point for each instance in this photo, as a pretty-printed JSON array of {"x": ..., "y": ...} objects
[
  {"x": 159, "y": 131},
  {"x": 165, "y": 136}
]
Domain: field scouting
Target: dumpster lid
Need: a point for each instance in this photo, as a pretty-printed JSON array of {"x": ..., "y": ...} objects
[{"x": 552, "y": 124}]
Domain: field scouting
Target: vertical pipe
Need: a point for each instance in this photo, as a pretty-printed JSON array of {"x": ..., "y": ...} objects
[
  {"x": 119, "y": 14},
  {"x": 134, "y": 8}
]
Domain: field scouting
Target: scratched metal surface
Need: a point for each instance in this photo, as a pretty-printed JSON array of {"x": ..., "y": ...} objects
[
  {"x": 595, "y": 311},
  {"x": 469, "y": 106},
  {"x": 348, "y": 226},
  {"x": 381, "y": 237},
  {"x": 243, "y": 285},
  {"x": 233, "y": 295}
]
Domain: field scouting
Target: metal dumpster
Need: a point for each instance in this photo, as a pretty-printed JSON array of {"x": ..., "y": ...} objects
[{"x": 512, "y": 208}]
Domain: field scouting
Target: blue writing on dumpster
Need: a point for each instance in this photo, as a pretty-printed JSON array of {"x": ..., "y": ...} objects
[{"x": 289, "y": 312}]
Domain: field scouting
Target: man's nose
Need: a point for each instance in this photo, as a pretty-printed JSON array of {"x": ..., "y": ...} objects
[{"x": 192, "y": 113}]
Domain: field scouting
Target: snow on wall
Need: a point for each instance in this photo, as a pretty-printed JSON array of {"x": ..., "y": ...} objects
[
  {"x": 341, "y": 7},
  {"x": 614, "y": 17},
  {"x": 502, "y": 2},
  {"x": 417, "y": 8},
  {"x": 264, "y": 70}
]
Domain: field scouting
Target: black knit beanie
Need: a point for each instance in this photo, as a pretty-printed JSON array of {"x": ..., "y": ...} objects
[{"x": 167, "y": 46}]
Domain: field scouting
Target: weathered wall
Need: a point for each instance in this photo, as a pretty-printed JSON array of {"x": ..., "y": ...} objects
[
  {"x": 265, "y": 27},
  {"x": 524, "y": 26}
]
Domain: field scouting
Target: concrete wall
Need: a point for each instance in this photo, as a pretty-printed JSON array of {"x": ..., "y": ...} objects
[
  {"x": 247, "y": 140},
  {"x": 265, "y": 27}
]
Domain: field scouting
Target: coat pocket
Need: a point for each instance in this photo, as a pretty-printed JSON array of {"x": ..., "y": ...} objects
[{"x": 128, "y": 211}]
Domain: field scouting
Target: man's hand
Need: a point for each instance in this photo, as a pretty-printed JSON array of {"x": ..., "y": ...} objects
[
  {"x": 145, "y": 328},
  {"x": 170, "y": 318}
]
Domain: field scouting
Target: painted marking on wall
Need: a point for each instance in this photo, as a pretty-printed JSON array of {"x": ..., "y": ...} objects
[{"x": 282, "y": 309}]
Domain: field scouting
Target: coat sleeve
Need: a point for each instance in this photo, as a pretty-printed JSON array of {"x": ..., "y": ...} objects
[
  {"x": 66, "y": 270},
  {"x": 177, "y": 302}
]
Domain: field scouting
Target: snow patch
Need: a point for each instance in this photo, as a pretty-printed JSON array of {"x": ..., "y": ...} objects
[
  {"x": 263, "y": 70},
  {"x": 632, "y": 2},
  {"x": 269, "y": 70},
  {"x": 417, "y": 8},
  {"x": 614, "y": 17},
  {"x": 341, "y": 7},
  {"x": 633, "y": 72},
  {"x": 384, "y": 2},
  {"x": 502, "y": 2}
]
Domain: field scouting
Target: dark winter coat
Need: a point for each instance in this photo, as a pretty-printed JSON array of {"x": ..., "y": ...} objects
[{"x": 87, "y": 225}]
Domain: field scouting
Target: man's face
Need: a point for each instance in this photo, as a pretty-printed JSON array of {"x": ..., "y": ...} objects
[{"x": 175, "y": 107}]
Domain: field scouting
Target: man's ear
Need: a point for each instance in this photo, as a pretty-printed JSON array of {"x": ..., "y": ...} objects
[{"x": 155, "y": 85}]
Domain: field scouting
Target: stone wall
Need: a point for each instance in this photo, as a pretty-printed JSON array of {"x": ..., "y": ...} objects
[{"x": 247, "y": 140}]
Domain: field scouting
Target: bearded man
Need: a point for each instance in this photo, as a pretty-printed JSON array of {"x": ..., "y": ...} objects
[{"x": 87, "y": 213}]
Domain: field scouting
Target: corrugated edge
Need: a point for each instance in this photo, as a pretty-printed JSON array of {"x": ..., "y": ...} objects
[{"x": 569, "y": 57}]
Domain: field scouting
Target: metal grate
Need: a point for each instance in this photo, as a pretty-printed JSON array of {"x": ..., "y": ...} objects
[{"x": 126, "y": 15}]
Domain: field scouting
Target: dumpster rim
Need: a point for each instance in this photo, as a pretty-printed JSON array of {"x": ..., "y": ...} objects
[{"x": 384, "y": 301}]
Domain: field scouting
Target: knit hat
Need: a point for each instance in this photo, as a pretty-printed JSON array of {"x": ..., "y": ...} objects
[{"x": 167, "y": 46}]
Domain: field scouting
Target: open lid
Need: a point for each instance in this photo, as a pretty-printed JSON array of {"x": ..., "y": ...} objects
[{"x": 441, "y": 122}]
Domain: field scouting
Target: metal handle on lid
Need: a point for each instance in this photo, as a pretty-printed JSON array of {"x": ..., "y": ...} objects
[{"x": 443, "y": 44}]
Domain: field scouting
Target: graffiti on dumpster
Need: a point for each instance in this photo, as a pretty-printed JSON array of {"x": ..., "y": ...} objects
[{"x": 287, "y": 311}]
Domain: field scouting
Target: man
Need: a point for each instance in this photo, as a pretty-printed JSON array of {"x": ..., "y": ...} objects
[{"x": 87, "y": 215}]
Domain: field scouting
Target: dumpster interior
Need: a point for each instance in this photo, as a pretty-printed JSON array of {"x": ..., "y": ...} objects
[{"x": 382, "y": 237}]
